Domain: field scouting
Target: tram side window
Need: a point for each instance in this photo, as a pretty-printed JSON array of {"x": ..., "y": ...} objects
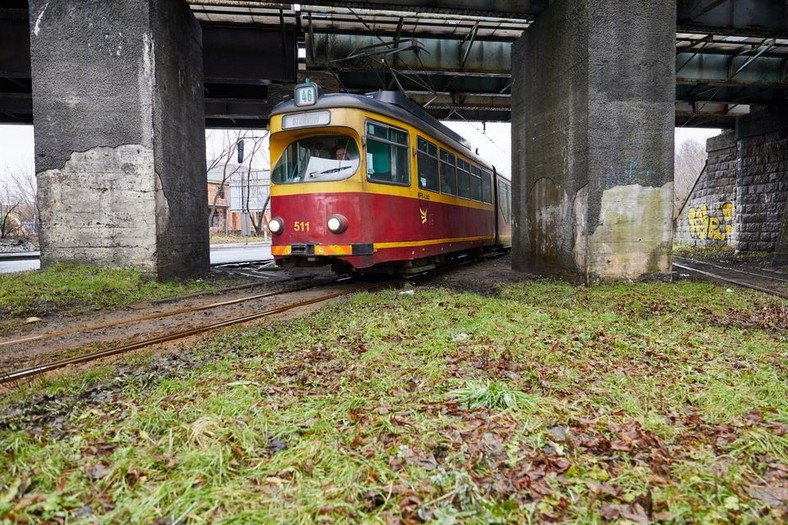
[
  {"x": 448, "y": 173},
  {"x": 428, "y": 165},
  {"x": 486, "y": 187},
  {"x": 476, "y": 183},
  {"x": 463, "y": 178},
  {"x": 387, "y": 154},
  {"x": 505, "y": 200}
]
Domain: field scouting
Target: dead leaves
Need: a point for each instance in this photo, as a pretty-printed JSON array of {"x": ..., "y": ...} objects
[{"x": 633, "y": 512}]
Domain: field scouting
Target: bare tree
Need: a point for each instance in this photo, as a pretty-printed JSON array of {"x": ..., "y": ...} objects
[
  {"x": 257, "y": 218},
  {"x": 10, "y": 224},
  {"x": 23, "y": 181},
  {"x": 224, "y": 158},
  {"x": 689, "y": 163},
  {"x": 18, "y": 212}
]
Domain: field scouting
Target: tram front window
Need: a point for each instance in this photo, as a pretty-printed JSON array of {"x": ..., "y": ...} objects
[{"x": 317, "y": 159}]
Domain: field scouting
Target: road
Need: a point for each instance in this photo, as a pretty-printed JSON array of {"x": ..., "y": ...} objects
[
  {"x": 220, "y": 254},
  {"x": 227, "y": 253}
]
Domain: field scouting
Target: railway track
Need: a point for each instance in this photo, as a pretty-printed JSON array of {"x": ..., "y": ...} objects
[
  {"x": 773, "y": 282},
  {"x": 345, "y": 288},
  {"x": 763, "y": 281},
  {"x": 159, "y": 315},
  {"x": 39, "y": 362}
]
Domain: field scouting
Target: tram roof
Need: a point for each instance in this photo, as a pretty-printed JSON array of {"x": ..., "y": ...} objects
[{"x": 391, "y": 104}]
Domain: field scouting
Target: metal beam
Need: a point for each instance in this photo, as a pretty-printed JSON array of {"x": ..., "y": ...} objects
[
  {"x": 500, "y": 8},
  {"x": 428, "y": 54},
  {"x": 251, "y": 55},
  {"x": 755, "y": 70},
  {"x": 740, "y": 17}
]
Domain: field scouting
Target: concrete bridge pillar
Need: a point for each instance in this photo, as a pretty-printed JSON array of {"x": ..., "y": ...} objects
[
  {"x": 592, "y": 140},
  {"x": 119, "y": 134}
]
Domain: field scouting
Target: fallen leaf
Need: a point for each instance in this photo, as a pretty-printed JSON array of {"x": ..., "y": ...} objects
[
  {"x": 95, "y": 471},
  {"x": 776, "y": 497},
  {"x": 558, "y": 432}
]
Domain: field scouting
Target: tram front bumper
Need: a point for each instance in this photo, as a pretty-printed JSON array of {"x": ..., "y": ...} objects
[{"x": 326, "y": 250}]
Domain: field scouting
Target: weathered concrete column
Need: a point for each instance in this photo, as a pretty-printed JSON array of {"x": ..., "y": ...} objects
[
  {"x": 592, "y": 140},
  {"x": 119, "y": 134}
]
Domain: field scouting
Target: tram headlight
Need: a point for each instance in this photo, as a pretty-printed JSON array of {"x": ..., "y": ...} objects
[
  {"x": 276, "y": 225},
  {"x": 337, "y": 223}
]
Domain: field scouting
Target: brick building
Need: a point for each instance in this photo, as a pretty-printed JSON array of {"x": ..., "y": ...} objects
[{"x": 241, "y": 200}]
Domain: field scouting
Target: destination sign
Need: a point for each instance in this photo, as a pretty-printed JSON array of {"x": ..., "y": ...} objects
[{"x": 306, "y": 119}]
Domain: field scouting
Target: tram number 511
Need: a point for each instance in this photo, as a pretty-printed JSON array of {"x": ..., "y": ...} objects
[{"x": 301, "y": 226}]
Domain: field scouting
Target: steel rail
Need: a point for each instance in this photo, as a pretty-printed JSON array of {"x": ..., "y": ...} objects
[
  {"x": 737, "y": 282},
  {"x": 41, "y": 369},
  {"x": 161, "y": 315},
  {"x": 754, "y": 274}
]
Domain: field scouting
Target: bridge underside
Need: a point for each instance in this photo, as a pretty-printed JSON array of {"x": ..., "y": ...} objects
[
  {"x": 120, "y": 95},
  {"x": 453, "y": 57}
]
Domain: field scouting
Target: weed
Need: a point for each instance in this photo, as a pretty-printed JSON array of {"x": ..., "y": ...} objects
[{"x": 493, "y": 394}]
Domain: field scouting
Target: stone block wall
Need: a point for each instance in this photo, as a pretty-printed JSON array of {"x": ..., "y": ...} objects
[
  {"x": 762, "y": 180},
  {"x": 740, "y": 200},
  {"x": 707, "y": 216}
]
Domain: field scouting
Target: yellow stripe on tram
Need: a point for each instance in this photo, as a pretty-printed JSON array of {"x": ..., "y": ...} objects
[
  {"x": 429, "y": 242},
  {"x": 333, "y": 249}
]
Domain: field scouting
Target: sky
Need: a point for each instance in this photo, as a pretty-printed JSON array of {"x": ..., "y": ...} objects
[{"x": 492, "y": 139}]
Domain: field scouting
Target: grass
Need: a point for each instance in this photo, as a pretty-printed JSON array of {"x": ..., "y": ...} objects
[
  {"x": 74, "y": 289},
  {"x": 492, "y": 394},
  {"x": 233, "y": 238},
  {"x": 549, "y": 402}
]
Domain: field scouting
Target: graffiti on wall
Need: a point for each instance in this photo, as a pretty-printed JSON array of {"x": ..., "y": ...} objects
[{"x": 704, "y": 226}]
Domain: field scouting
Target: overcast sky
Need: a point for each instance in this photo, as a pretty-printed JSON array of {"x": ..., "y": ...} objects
[{"x": 492, "y": 139}]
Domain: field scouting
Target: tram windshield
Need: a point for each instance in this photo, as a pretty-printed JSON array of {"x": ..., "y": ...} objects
[{"x": 317, "y": 159}]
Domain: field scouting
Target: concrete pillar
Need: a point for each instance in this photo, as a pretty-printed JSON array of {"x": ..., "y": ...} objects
[
  {"x": 592, "y": 131},
  {"x": 119, "y": 134}
]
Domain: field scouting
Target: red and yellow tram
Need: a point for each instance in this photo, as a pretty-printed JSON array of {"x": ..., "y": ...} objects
[{"x": 374, "y": 183}]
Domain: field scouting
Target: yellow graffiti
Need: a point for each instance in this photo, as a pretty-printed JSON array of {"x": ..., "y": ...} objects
[{"x": 705, "y": 227}]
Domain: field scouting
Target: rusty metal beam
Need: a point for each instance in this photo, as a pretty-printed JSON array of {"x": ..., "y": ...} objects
[
  {"x": 525, "y": 9},
  {"x": 356, "y": 52},
  {"x": 739, "y": 17}
]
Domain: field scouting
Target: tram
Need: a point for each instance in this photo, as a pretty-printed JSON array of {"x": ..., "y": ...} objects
[{"x": 373, "y": 183}]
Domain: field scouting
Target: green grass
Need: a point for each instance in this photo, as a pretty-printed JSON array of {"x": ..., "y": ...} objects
[
  {"x": 234, "y": 238},
  {"x": 548, "y": 402},
  {"x": 70, "y": 288}
]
